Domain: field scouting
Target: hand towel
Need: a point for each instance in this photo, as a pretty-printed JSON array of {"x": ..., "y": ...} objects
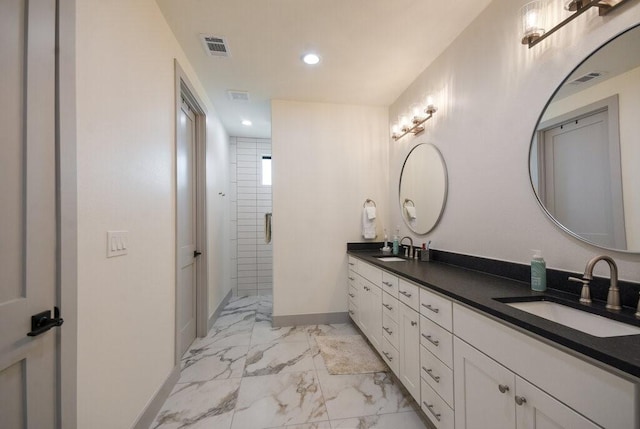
[
  {"x": 411, "y": 211},
  {"x": 371, "y": 212},
  {"x": 368, "y": 225}
]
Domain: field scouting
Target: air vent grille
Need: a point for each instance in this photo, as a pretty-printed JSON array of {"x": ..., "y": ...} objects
[
  {"x": 215, "y": 46},
  {"x": 235, "y": 95},
  {"x": 586, "y": 78}
]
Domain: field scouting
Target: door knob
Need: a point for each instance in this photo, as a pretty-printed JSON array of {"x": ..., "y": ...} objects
[
  {"x": 196, "y": 253},
  {"x": 42, "y": 322}
]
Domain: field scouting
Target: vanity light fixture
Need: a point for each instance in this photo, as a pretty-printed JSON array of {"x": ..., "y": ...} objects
[
  {"x": 311, "y": 59},
  {"x": 533, "y": 16},
  {"x": 415, "y": 125}
]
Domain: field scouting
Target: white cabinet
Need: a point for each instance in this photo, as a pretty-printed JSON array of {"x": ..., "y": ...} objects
[
  {"x": 409, "y": 349},
  {"x": 370, "y": 306},
  {"x": 488, "y": 395}
]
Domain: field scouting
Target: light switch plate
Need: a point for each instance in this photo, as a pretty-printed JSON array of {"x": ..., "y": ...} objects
[{"x": 117, "y": 243}]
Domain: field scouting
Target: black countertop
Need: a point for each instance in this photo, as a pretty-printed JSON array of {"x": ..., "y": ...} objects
[{"x": 480, "y": 290}]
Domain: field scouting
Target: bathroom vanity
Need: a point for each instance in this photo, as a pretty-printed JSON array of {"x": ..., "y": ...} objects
[{"x": 471, "y": 360}]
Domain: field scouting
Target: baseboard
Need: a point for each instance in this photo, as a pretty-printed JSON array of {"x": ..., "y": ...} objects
[
  {"x": 216, "y": 313},
  {"x": 310, "y": 319},
  {"x": 157, "y": 401}
]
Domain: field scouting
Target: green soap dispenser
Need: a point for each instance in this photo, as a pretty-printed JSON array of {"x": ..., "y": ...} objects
[
  {"x": 396, "y": 244},
  {"x": 538, "y": 272}
]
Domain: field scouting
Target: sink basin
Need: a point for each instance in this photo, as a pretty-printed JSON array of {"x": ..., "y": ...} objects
[
  {"x": 390, "y": 259},
  {"x": 588, "y": 323}
]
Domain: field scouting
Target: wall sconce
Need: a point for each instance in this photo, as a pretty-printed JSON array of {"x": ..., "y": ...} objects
[
  {"x": 415, "y": 125},
  {"x": 533, "y": 17}
]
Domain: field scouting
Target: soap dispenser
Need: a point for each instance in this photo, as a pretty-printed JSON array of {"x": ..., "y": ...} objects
[
  {"x": 538, "y": 272},
  {"x": 396, "y": 243}
]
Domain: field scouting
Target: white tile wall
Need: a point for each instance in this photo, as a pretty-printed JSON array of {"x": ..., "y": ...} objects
[{"x": 251, "y": 257}]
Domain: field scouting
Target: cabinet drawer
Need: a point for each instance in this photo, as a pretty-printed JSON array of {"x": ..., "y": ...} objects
[
  {"x": 390, "y": 356},
  {"x": 390, "y": 284},
  {"x": 390, "y": 306},
  {"x": 351, "y": 277},
  {"x": 435, "y": 408},
  {"x": 352, "y": 263},
  {"x": 437, "y": 375},
  {"x": 437, "y": 340},
  {"x": 353, "y": 294},
  {"x": 605, "y": 398},
  {"x": 436, "y": 308},
  {"x": 409, "y": 294},
  {"x": 353, "y": 311},
  {"x": 390, "y": 330},
  {"x": 371, "y": 273}
]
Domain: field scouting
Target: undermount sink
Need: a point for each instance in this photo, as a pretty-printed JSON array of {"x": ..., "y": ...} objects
[
  {"x": 390, "y": 259},
  {"x": 588, "y": 323}
]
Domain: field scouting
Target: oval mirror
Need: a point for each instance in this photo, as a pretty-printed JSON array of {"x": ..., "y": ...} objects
[
  {"x": 423, "y": 188},
  {"x": 584, "y": 161}
]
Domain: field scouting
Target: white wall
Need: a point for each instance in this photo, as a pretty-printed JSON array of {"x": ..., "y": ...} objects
[
  {"x": 251, "y": 257},
  {"x": 126, "y": 174},
  {"x": 490, "y": 90},
  {"x": 327, "y": 159}
]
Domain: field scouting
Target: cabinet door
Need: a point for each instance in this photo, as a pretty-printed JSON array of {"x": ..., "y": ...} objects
[
  {"x": 484, "y": 390},
  {"x": 537, "y": 410},
  {"x": 363, "y": 305},
  {"x": 410, "y": 350},
  {"x": 374, "y": 313}
]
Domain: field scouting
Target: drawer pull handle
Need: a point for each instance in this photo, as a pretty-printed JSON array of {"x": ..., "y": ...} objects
[
  {"x": 351, "y": 263},
  {"x": 520, "y": 400},
  {"x": 351, "y": 295},
  {"x": 388, "y": 284},
  {"x": 388, "y": 307},
  {"x": 503, "y": 388},
  {"x": 351, "y": 278},
  {"x": 431, "y": 340},
  {"x": 430, "y": 408},
  {"x": 387, "y": 356},
  {"x": 366, "y": 288},
  {"x": 407, "y": 294},
  {"x": 389, "y": 331},
  {"x": 429, "y": 307},
  {"x": 430, "y": 372},
  {"x": 351, "y": 312},
  {"x": 413, "y": 323}
]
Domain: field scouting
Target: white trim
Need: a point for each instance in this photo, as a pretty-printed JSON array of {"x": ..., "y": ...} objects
[
  {"x": 310, "y": 319},
  {"x": 156, "y": 402}
]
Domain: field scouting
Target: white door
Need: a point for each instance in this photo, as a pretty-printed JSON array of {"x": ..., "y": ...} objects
[
  {"x": 581, "y": 180},
  {"x": 186, "y": 201},
  {"x": 409, "y": 342},
  {"x": 28, "y": 237},
  {"x": 484, "y": 390},
  {"x": 537, "y": 410}
]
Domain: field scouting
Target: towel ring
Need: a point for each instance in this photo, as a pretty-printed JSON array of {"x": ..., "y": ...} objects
[
  {"x": 367, "y": 201},
  {"x": 407, "y": 201}
]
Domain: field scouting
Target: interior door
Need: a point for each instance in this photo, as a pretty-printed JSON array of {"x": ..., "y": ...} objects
[
  {"x": 580, "y": 177},
  {"x": 186, "y": 200},
  {"x": 28, "y": 235}
]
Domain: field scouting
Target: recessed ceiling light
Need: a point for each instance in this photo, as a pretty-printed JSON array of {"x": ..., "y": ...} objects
[
  {"x": 246, "y": 123},
  {"x": 311, "y": 59}
]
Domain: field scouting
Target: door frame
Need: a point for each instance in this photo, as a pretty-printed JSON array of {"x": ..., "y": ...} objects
[
  {"x": 184, "y": 91},
  {"x": 67, "y": 293}
]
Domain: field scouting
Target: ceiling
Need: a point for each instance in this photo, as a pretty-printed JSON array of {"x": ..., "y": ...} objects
[{"x": 370, "y": 50}]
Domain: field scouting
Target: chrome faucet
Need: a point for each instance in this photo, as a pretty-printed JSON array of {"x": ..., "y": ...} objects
[
  {"x": 410, "y": 245},
  {"x": 613, "y": 297}
]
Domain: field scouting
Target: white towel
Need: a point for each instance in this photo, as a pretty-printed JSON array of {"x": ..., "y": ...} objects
[
  {"x": 411, "y": 211},
  {"x": 368, "y": 225},
  {"x": 371, "y": 212}
]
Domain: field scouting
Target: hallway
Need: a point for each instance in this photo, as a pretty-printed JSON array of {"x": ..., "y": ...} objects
[{"x": 246, "y": 374}]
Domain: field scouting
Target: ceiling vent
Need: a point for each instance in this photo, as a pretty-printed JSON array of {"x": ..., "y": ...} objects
[
  {"x": 238, "y": 95},
  {"x": 215, "y": 46},
  {"x": 586, "y": 78}
]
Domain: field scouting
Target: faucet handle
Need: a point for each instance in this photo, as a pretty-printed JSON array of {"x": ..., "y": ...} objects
[{"x": 585, "y": 294}]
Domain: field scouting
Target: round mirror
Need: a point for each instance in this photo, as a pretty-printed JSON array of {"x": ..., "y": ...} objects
[
  {"x": 423, "y": 188},
  {"x": 585, "y": 151}
]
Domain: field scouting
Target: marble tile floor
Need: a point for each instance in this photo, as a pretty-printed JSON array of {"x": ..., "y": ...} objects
[{"x": 247, "y": 375}]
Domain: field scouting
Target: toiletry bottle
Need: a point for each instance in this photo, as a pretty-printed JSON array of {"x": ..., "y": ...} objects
[
  {"x": 396, "y": 244},
  {"x": 538, "y": 272}
]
